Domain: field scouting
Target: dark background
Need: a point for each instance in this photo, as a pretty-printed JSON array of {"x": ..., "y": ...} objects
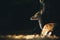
[{"x": 15, "y": 16}]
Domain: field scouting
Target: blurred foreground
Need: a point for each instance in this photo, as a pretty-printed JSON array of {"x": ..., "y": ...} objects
[{"x": 28, "y": 37}]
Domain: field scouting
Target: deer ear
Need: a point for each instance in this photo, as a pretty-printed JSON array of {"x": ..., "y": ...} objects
[{"x": 41, "y": 1}]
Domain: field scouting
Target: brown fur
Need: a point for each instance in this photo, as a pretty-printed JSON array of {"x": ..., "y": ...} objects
[{"x": 48, "y": 27}]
